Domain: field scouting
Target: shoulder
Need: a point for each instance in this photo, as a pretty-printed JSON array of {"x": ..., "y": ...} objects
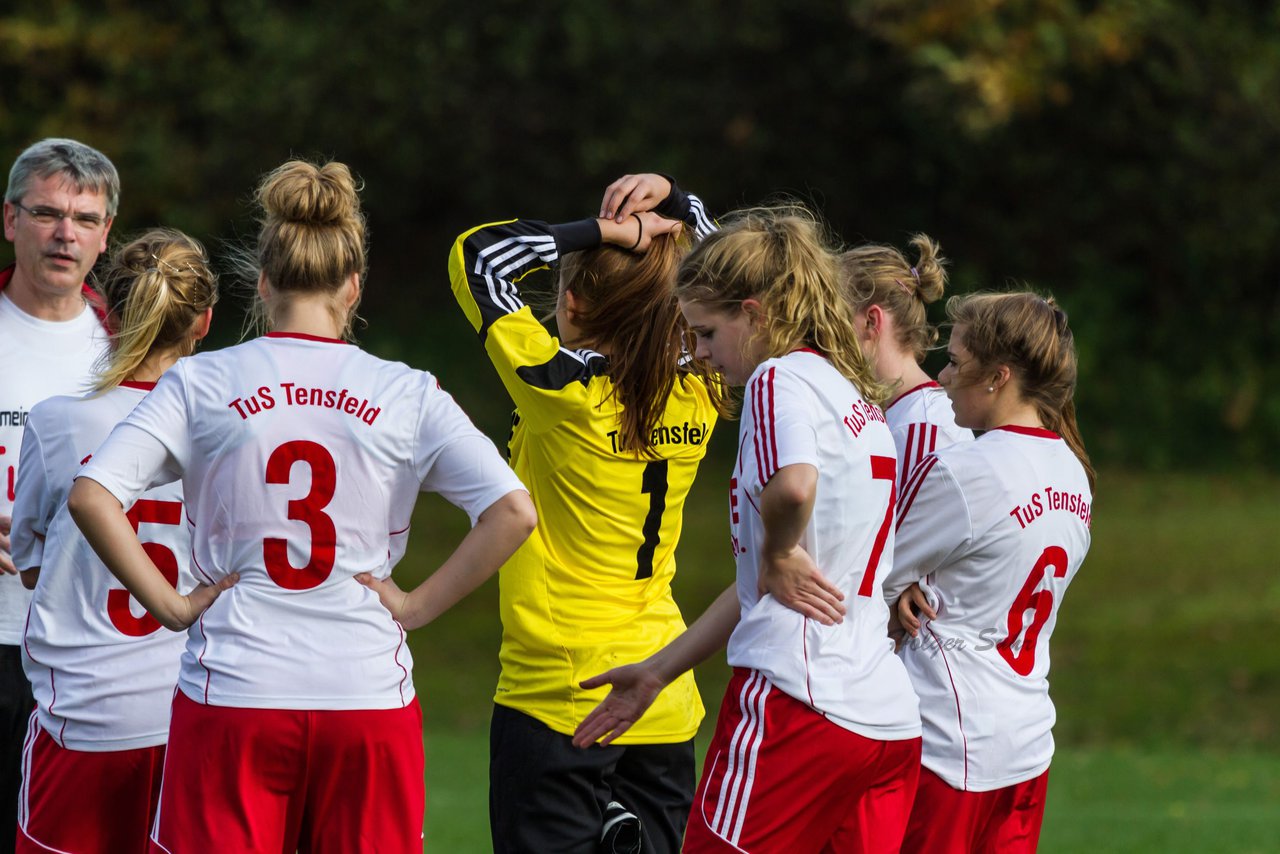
[{"x": 52, "y": 409}]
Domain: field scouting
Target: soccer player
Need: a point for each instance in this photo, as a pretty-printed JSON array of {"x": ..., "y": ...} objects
[
  {"x": 818, "y": 741},
  {"x": 990, "y": 533},
  {"x": 609, "y": 429},
  {"x": 889, "y": 295},
  {"x": 295, "y": 724},
  {"x": 102, "y": 670},
  {"x": 58, "y": 209}
]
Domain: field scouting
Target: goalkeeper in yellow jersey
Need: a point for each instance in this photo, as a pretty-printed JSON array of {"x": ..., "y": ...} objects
[{"x": 611, "y": 422}]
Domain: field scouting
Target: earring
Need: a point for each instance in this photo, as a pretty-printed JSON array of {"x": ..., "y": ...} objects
[{"x": 991, "y": 388}]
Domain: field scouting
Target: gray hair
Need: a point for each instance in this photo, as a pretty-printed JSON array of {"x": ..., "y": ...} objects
[{"x": 86, "y": 168}]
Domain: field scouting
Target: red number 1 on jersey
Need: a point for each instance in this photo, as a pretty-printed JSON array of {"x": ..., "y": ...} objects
[{"x": 310, "y": 510}]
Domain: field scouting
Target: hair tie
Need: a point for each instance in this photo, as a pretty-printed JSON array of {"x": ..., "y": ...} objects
[
  {"x": 915, "y": 275},
  {"x": 640, "y": 235}
]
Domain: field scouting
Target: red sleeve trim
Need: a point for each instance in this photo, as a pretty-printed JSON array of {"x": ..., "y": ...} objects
[
  {"x": 302, "y": 336},
  {"x": 929, "y": 384},
  {"x": 1038, "y": 432},
  {"x": 912, "y": 489},
  {"x": 764, "y": 439}
]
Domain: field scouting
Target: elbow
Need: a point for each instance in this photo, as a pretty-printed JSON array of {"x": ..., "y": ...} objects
[
  {"x": 80, "y": 501},
  {"x": 515, "y": 513},
  {"x": 525, "y": 516}
]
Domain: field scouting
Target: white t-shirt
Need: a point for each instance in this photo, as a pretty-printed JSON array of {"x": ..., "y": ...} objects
[
  {"x": 996, "y": 528},
  {"x": 301, "y": 460},
  {"x": 101, "y": 668},
  {"x": 922, "y": 421},
  {"x": 38, "y": 359},
  {"x": 799, "y": 409}
]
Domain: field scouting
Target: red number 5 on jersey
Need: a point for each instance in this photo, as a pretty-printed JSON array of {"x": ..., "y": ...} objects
[
  {"x": 146, "y": 510},
  {"x": 310, "y": 509}
]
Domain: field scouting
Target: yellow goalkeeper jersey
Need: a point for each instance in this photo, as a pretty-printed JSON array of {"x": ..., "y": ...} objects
[{"x": 591, "y": 587}]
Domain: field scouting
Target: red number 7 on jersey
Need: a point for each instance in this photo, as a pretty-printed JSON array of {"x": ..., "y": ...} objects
[{"x": 882, "y": 468}]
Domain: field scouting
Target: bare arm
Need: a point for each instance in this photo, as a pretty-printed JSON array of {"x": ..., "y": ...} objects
[
  {"x": 499, "y": 531},
  {"x": 786, "y": 570},
  {"x": 636, "y": 686},
  {"x": 106, "y": 528}
]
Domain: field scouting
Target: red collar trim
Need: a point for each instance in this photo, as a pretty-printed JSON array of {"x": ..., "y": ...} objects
[
  {"x": 1038, "y": 432},
  {"x": 140, "y": 386},
  {"x": 806, "y": 350},
  {"x": 92, "y": 297},
  {"x": 302, "y": 336},
  {"x": 929, "y": 384}
]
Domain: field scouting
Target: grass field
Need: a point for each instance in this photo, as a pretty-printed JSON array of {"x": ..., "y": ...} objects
[{"x": 1165, "y": 668}]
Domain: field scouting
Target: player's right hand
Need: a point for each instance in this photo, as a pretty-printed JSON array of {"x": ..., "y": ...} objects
[
  {"x": 633, "y": 194},
  {"x": 6, "y": 559},
  {"x": 635, "y": 687},
  {"x": 912, "y": 603},
  {"x": 795, "y": 580},
  {"x": 198, "y": 601}
]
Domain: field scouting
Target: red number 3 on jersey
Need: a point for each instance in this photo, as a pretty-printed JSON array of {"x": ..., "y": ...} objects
[{"x": 310, "y": 510}]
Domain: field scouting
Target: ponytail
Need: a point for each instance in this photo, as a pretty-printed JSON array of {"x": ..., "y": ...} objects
[{"x": 156, "y": 288}]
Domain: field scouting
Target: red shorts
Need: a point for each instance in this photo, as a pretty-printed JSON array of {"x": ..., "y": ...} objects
[
  {"x": 81, "y": 801},
  {"x": 946, "y": 820},
  {"x": 285, "y": 780},
  {"x": 781, "y": 777}
]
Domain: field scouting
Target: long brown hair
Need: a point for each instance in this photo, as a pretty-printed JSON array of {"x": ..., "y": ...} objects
[
  {"x": 876, "y": 274},
  {"x": 626, "y": 304},
  {"x": 156, "y": 287},
  {"x": 782, "y": 257},
  {"x": 1030, "y": 334}
]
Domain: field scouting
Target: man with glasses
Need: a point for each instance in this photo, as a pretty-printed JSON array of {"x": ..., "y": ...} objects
[{"x": 58, "y": 209}]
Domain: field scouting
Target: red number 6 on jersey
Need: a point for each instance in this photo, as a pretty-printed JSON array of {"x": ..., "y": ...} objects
[
  {"x": 310, "y": 509},
  {"x": 1041, "y": 601}
]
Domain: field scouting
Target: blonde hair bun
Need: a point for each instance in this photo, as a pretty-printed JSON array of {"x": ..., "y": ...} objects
[{"x": 307, "y": 194}]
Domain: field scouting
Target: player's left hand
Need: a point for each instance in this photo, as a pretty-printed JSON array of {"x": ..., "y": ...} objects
[
  {"x": 795, "y": 581},
  {"x": 6, "y": 560},
  {"x": 389, "y": 593},
  {"x": 635, "y": 687}
]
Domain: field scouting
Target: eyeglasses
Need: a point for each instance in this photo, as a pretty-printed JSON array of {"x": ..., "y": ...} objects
[{"x": 85, "y": 222}]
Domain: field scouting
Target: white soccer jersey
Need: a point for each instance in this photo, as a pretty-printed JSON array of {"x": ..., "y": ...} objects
[
  {"x": 101, "y": 668},
  {"x": 301, "y": 460},
  {"x": 799, "y": 409},
  {"x": 995, "y": 529},
  {"x": 38, "y": 359},
  {"x": 922, "y": 421}
]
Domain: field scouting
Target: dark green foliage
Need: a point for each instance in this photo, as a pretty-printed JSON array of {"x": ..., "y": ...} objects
[{"x": 1119, "y": 154}]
